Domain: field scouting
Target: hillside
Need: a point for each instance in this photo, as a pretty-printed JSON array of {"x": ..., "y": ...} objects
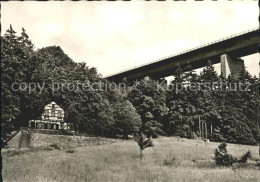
[
  {"x": 48, "y": 139},
  {"x": 171, "y": 159}
]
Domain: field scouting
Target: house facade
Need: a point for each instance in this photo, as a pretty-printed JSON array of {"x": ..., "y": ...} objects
[{"x": 52, "y": 118}]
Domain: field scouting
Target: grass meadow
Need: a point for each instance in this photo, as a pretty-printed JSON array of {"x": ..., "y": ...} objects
[{"x": 171, "y": 159}]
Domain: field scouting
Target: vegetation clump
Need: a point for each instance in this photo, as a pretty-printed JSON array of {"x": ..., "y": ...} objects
[
  {"x": 70, "y": 151},
  {"x": 223, "y": 158},
  {"x": 55, "y": 146},
  {"x": 245, "y": 157},
  {"x": 143, "y": 142}
]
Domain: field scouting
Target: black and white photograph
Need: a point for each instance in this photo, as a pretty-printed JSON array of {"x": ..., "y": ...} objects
[{"x": 130, "y": 91}]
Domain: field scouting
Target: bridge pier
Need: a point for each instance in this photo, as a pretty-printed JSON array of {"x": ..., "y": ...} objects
[{"x": 229, "y": 65}]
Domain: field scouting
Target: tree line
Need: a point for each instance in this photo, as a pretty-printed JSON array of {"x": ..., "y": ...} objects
[{"x": 156, "y": 109}]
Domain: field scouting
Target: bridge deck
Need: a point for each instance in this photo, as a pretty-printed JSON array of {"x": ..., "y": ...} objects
[{"x": 236, "y": 46}]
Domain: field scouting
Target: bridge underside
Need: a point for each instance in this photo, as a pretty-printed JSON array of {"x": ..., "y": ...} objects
[{"x": 235, "y": 47}]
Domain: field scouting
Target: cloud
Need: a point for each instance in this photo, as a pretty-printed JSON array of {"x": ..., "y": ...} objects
[
  {"x": 47, "y": 32},
  {"x": 118, "y": 36},
  {"x": 207, "y": 17}
]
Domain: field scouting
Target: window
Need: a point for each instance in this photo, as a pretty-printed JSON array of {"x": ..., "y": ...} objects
[
  {"x": 46, "y": 114},
  {"x": 53, "y": 110},
  {"x": 53, "y": 113},
  {"x": 59, "y": 114}
]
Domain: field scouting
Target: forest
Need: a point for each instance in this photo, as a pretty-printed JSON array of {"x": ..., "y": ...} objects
[{"x": 232, "y": 115}]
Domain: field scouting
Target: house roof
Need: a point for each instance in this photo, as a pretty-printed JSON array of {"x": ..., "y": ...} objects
[{"x": 57, "y": 106}]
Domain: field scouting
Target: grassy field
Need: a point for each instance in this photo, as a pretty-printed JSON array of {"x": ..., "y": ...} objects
[{"x": 171, "y": 159}]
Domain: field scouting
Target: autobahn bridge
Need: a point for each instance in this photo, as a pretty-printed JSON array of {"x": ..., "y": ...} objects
[{"x": 226, "y": 51}]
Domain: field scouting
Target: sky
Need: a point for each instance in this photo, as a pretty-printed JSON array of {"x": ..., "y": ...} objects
[{"x": 115, "y": 36}]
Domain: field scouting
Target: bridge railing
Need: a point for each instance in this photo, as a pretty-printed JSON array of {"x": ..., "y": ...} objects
[{"x": 185, "y": 51}]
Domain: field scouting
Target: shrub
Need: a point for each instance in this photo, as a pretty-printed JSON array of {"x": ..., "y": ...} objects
[
  {"x": 70, "y": 151},
  {"x": 49, "y": 148},
  {"x": 169, "y": 161},
  {"x": 55, "y": 146},
  {"x": 258, "y": 164},
  {"x": 222, "y": 157},
  {"x": 67, "y": 132},
  {"x": 245, "y": 157}
]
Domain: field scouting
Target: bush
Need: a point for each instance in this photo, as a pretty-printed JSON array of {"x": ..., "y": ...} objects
[
  {"x": 67, "y": 132},
  {"x": 258, "y": 164},
  {"x": 222, "y": 157},
  {"x": 169, "y": 161},
  {"x": 245, "y": 157},
  {"x": 54, "y": 146},
  {"x": 70, "y": 151}
]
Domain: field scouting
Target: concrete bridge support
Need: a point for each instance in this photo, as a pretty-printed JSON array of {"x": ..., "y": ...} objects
[{"x": 229, "y": 65}]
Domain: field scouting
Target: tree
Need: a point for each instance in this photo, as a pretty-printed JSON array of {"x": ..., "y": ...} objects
[
  {"x": 127, "y": 120},
  {"x": 90, "y": 110},
  {"x": 142, "y": 141},
  {"x": 16, "y": 53},
  {"x": 149, "y": 100}
]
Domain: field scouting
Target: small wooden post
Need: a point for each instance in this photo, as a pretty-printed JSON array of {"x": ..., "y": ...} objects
[
  {"x": 257, "y": 115},
  {"x": 202, "y": 129},
  {"x": 211, "y": 127},
  {"x": 181, "y": 125},
  {"x": 257, "y": 121},
  {"x": 199, "y": 127},
  {"x": 188, "y": 126},
  {"x": 206, "y": 131}
]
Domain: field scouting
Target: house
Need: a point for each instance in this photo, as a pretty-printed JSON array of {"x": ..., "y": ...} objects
[{"x": 52, "y": 118}]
